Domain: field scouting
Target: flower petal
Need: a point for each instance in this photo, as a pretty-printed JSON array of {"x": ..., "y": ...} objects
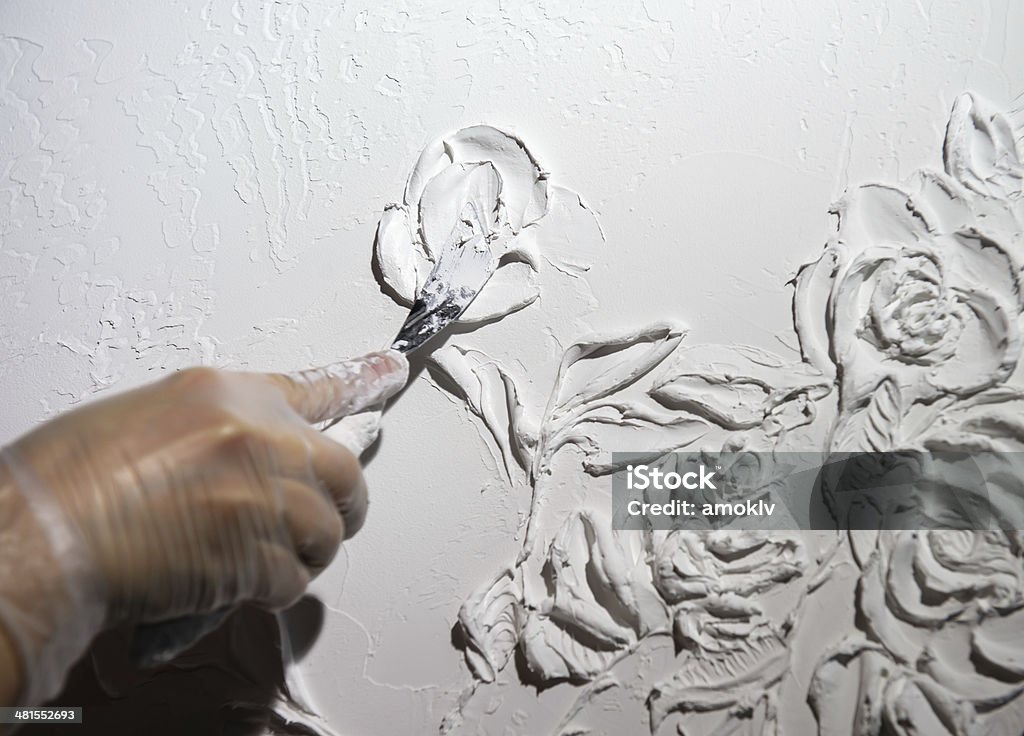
[
  {"x": 445, "y": 198},
  {"x": 980, "y": 150},
  {"x": 524, "y": 186},
  {"x": 512, "y": 287},
  {"x": 401, "y": 264}
]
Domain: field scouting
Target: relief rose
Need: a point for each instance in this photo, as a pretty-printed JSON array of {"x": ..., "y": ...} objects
[
  {"x": 942, "y": 613},
  {"x": 733, "y": 651},
  {"x": 893, "y": 297}
]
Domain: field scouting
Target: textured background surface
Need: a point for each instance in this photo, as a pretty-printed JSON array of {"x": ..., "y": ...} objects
[{"x": 189, "y": 182}]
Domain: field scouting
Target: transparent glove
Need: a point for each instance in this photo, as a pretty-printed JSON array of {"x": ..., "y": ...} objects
[{"x": 188, "y": 495}]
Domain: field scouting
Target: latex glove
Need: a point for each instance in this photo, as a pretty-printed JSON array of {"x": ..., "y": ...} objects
[{"x": 184, "y": 496}]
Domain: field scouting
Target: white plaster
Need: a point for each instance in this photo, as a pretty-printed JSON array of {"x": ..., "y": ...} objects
[{"x": 208, "y": 187}]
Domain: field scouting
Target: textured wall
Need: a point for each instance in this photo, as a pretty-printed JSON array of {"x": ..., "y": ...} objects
[{"x": 197, "y": 182}]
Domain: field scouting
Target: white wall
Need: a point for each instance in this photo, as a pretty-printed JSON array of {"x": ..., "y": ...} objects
[{"x": 190, "y": 182}]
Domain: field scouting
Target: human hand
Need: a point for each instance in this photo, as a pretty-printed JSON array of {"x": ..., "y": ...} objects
[{"x": 184, "y": 496}]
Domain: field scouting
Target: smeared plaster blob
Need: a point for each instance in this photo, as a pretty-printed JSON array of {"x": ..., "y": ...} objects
[
  {"x": 447, "y": 195},
  {"x": 524, "y": 184},
  {"x": 401, "y": 270},
  {"x": 479, "y": 166}
]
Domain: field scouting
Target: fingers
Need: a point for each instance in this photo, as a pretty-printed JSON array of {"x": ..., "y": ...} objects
[
  {"x": 346, "y": 387},
  {"x": 314, "y": 525},
  {"x": 284, "y": 578},
  {"x": 316, "y": 520},
  {"x": 341, "y": 476},
  {"x": 269, "y": 499},
  {"x": 313, "y": 459}
]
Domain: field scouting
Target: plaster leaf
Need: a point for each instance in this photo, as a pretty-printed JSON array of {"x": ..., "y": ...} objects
[
  {"x": 491, "y": 619},
  {"x": 874, "y": 427},
  {"x": 609, "y": 426},
  {"x": 998, "y": 643},
  {"x": 598, "y": 367},
  {"x": 734, "y": 387},
  {"x": 731, "y": 403},
  {"x": 735, "y": 674},
  {"x": 492, "y": 395},
  {"x": 848, "y": 688},
  {"x": 989, "y": 421},
  {"x": 980, "y": 151}
]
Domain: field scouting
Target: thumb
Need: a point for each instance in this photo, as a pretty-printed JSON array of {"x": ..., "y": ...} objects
[{"x": 345, "y": 387}]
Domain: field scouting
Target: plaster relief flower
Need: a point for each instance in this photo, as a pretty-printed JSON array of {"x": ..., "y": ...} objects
[
  {"x": 733, "y": 651},
  {"x": 896, "y": 299},
  {"x": 933, "y": 580},
  {"x": 943, "y": 612},
  {"x": 859, "y": 688},
  {"x": 600, "y": 604},
  {"x": 697, "y": 565},
  {"x": 932, "y": 489},
  {"x": 734, "y": 674},
  {"x": 494, "y": 173}
]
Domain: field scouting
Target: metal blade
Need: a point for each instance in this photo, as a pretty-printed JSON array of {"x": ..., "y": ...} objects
[{"x": 463, "y": 266}]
